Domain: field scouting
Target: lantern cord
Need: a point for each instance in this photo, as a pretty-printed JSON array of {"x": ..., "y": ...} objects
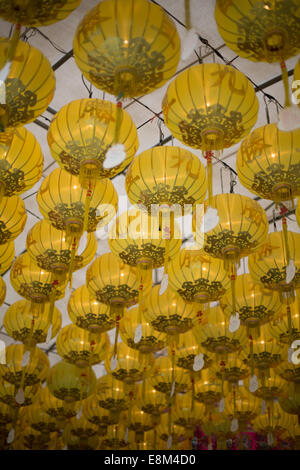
[
  {"x": 116, "y": 337},
  {"x": 233, "y": 293},
  {"x": 289, "y": 318},
  {"x": 285, "y": 239},
  {"x": 118, "y": 122},
  {"x": 285, "y": 79},
  {"x": 187, "y": 14},
  {"x": 233, "y": 182},
  {"x": 52, "y": 300},
  {"x": 89, "y": 89},
  {"x": 251, "y": 356},
  {"x": 208, "y": 156},
  {"x": 72, "y": 261}
]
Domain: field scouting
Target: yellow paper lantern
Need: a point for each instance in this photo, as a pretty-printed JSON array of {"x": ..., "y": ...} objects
[
  {"x": 82, "y": 132},
  {"x": 97, "y": 415},
  {"x": 87, "y": 313},
  {"x": 61, "y": 201},
  {"x": 270, "y": 387},
  {"x": 36, "y": 13},
  {"x": 178, "y": 433},
  {"x": 188, "y": 414},
  {"x": 12, "y": 218},
  {"x": 115, "y": 396},
  {"x": 2, "y": 291},
  {"x": 33, "y": 283},
  {"x": 131, "y": 365},
  {"x": 150, "y": 400},
  {"x": 214, "y": 335},
  {"x": 138, "y": 240},
  {"x": 291, "y": 404},
  {"x": 115, "y": 438},
  {"x": 7, "y": 254},
  {"x": 208, "y": 390},
  {"x": 139, "y": 422},
  {"x": 51, "y": 250},
  {"x": 197, "y": 277},
  {"x": 241, "y": 229},
  {"x": 58, "y": 409},
  {"x": 210, "y": 106},
  {"x": 151, "y": 339},
  {"x": 268, "y": 266},
  {"x": 30, "y": 85},
  {"x": 21, "y": 161},
  {"x": 112, "y": 282},
  {"x": 23, "y": 324},
  {"x": 7, "y": 414},
  {"x": 187, "y": 348},
  {"x": 275, "y": 421},
  {"x": 75, "y": 443},
  {"x": 232, "y": 370},
  {"x": 168, "y": 313},
  {"x": 34, "y": 372},
  {"x": 171, "y": 176},
  {"x": 268, "y": 163},
  {"x": 167, "y": 377},
  {"x": 69, "y": 383},
  {"x": 79, "y": 347},
  {"x": 255, "y": 306},
  {"x": 81, "y": 428},
  {"x": 129, "y": 47},
  {"x": 37, "y": 418},
  {"x": 286, "y": 326},
  {"x": 8, "y": 392},
  {"x": 30, "y": 439},
  {"x": 242, "y": 406},
  {"x": 290, "y": 372},
  {"x": 259, "y": 31}
]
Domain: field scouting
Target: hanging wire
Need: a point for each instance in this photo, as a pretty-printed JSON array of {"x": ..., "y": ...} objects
[
  {"x": 89, "y": 88},
  {"x": 274, "y": 220},
  {"x": 161, "y": 134},
  {"x": 267, "y": 109},
  {"x": 233, "y": 182}
]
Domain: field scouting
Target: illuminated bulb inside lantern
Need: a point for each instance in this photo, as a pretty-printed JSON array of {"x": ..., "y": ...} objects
[{"x": 75, "y": 186}]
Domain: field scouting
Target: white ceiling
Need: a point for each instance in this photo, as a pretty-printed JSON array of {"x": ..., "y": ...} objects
[{"x": 69, "y": 86}]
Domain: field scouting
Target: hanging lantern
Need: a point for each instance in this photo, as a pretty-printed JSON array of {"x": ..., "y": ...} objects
[
  {"x": 151, "y": 340},
  {"x": 75, "y": 443},
  {"x": 80, "y": 347},
  {"x": 167, "y": 378},
  {"x": 270, "y": 387},
  {"x": 167, "y": 176},
  {"x": 242, "y": 227},
  {"x": 210, "y": 106},
  {"x": 264, "y": 353},
  {"x": 38, "y": 419},
  {"x": 150, "y": 400},
  {"x": 268, "y": 163},
  {"x": 69, "y": 383},
  {"x": 139, "y": 422},
  {"x": 115, "y": 438},
  {"x": 168, "y": 313},
  {"x": 8, "y": 394},
  {"x": 127, "y": 48},
  {"x": 66, "y": 205},
  {"x": 22, "y": 376},
  {"x": 12, "y": 218},
  {"x": 262, "y": 32},
  {"x": 291, "y": 404},
  {"x": 21, "y": 161},
  {"x": 7, "y": 414},
  {"x": 242, "y": 407},
  {"x": 2, "y": 291},
  {"x": 188, "y": 351},
  {"x": 7, "y": 254},
  {"x": 290, "y": 372},
  {"x": 23, "y": 324},
  {"x": 97, "y": 415},
  {"x": 87, "y": 313},
  {"x": 178, "y": 433},
  {"x": 218, "y": 426},
  {"x": 81, "y": 428},
  {"x": 138, "y": 240},
  {"x": 51, "y": 249},
  {"x": 274, "y": 423},
  {"x": 112, "y": 282},
  {"x": 255, "y": 306},
  {"x": 208, "y": 390},
  {"x": 29, "y": 87},
  {"x": 34, "y": 284},
  {"x": 188, "y": 414},
  {"x": 270, "y": 265},
  {"x": 115, "y": 396},
  {"x": 131, "y": 366},
  {"x": 197, "y": 277},
  {"x": 58, "y": 409},
  {"x": 285, "y": 328},
  {"x": 29, "y": 439},
  {"x": 214, "y": 334},
  {"x": 232, "y": 370},
  {"x": 36, "y": 13},
  {"x": 83, "y": 132}
]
